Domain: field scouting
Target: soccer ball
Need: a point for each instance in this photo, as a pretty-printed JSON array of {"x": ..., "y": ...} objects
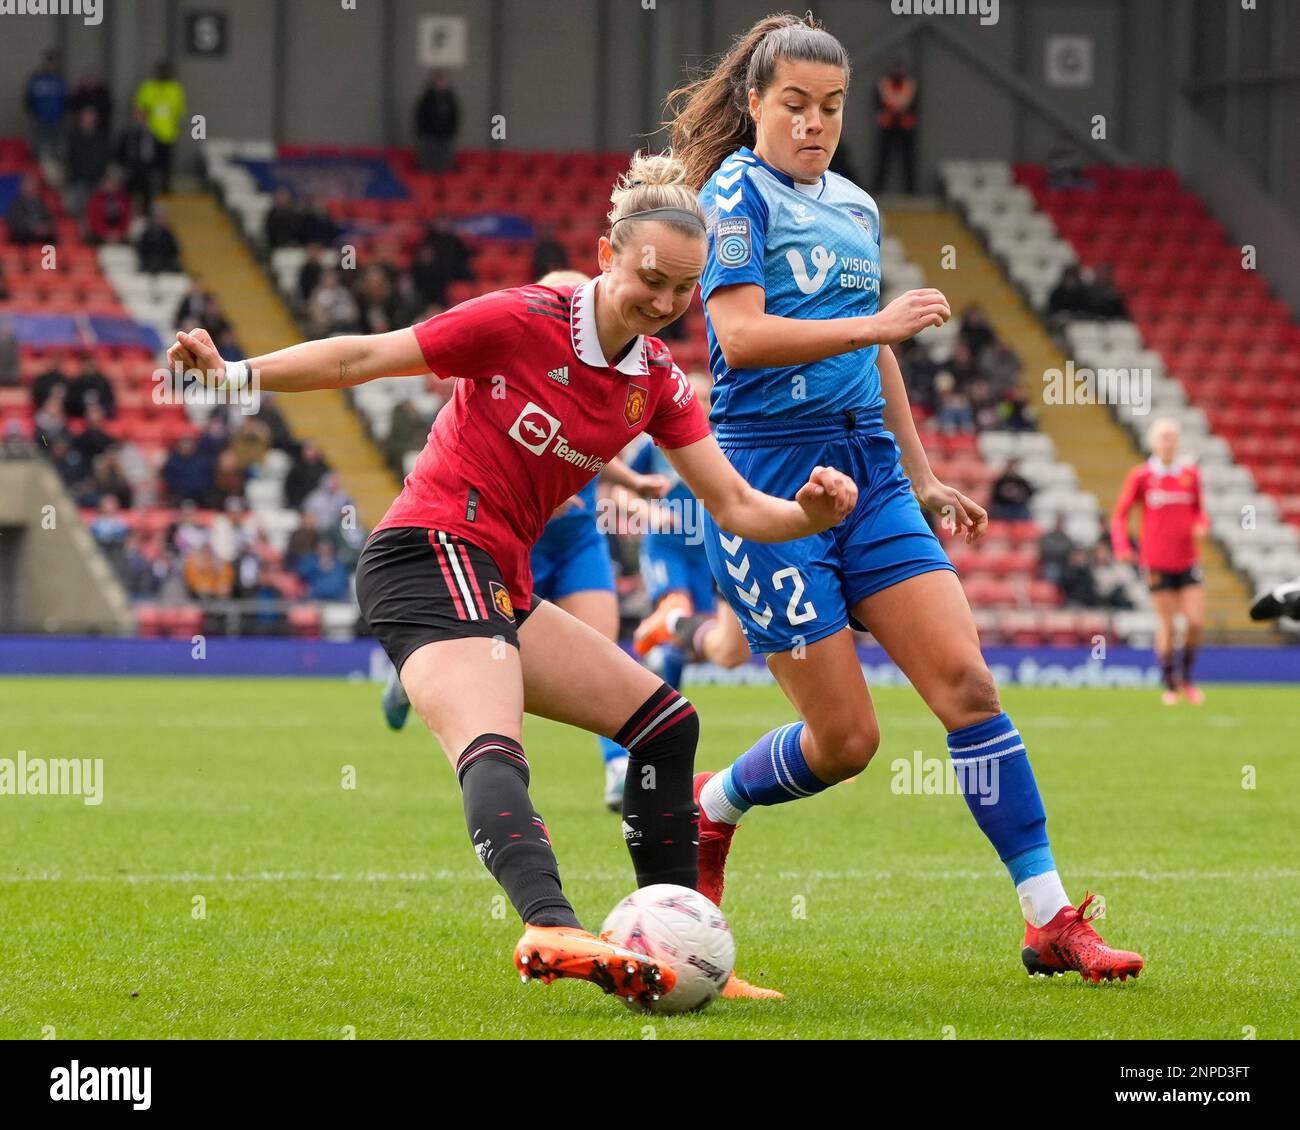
[{"x": 683, "y": 930}]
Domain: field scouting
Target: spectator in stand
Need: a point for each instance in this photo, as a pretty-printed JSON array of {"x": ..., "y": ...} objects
[
  {"x": 1071, "y": 295},
  {"x": 896, "y": 119},
  {"x": 1065, "y": 167},
  {"x": 283, "y": 225},
  {"x": 548, "y": 252},
  {"x": 919, "y": 372},
  {"x": 88, "y": 156},
  {"x": 326, "y": 576},
  {"x": 983, "y": 404},
  {"x": 332, "y": 309},
  {"x": 1104, "y": 299},
  {"x": 304, "y": 476},
  {"x": 108, "y": 479},
  {"x": 169, "y": 577},
  {"x": 975, "y": 330},
  {"x": 187, "y": 473},
  {"x": 208, "y": 577},
  {"x": 1014, "y": 413},
  {"x": 451, "y": 250},
  {"x": 250, "y": 441},
  {"x": 198, "y": 306},
  {"x": 224, "y": 339},
  {"x": 51, "y": 421},
  {"x": 1054, "y": 549},
  {"x": 156, "y": 245},
  {"x": 408, "y": 303},
  {"x": 1000, "y": 366},
  {"x": 135, "y": 570},
  {"x": 407, "y": 432},
  {"x": 10, "y": 358},
  {"x": 54, "y": 379},
  {"x": 91, "y": 92},
  {"x": 961, "y": 365},
  {"x": 376, "y": 308},
  {"x": 302, "y": 543},
  {"x": 311, "y": 271},
  {"x": 1011, "y": 494},
  {"x": 953, "y": 413},
  {"x": 316, "y": 226},
  {"x": 28, "y": 217},
  {"x": 46, "y": 100},
  {"x": 109, "y": 528},
  {"x": 437, "y": 118},
  {"x": 65, "y": 458},
  {"x": 227, "y": 480},
  {"x": 268, "y": 412},
  {"x": 1076, "y": 584},
  {"x": 187, "y": 532},
  {"x": 1110, "y": 578},
  {"x": 89, "y": 386},
  {"x": 108, "y": 212},
  {"x": 94, "y": 440},
  {"x": 327, "y": 503},
  {"x": 431, "y": 275},
  {"x": 162, "y": 99},
  {"x": 137, "y": 153}
]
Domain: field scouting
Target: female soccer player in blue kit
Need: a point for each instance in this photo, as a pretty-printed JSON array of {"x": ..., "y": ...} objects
[{"x": 800, "y": 352}]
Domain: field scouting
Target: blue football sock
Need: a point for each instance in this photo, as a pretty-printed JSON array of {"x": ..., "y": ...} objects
[
  {"x": 609, "y": 749},
  {"x": 995, "y": 777},
  {"x": 673, "y": 666},
  {"x": 773, "y": 772}
]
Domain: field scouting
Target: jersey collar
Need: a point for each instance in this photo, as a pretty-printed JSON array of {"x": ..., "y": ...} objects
[
  {"x": 1162, "y": 469},
  {"x": 749, "y": 155},
  {"x": 586, "y": 341}
]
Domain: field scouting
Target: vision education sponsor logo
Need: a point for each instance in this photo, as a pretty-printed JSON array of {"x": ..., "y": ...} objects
[
  {"x": 90, "y": 11},
  {"x": 76, "y": 1083},
  {"x": 58, "y": 776}
]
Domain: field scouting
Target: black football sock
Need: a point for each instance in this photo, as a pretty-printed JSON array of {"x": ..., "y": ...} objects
[
  {"x": 1167, "y": 669},
  {"x": 507, "y": 832},
  {"x": 1189, "y": 657},
  {"x": 660, "y": 822}
]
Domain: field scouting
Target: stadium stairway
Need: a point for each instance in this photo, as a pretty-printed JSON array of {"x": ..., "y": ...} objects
[
  {"x": 1084, "y": 435},
  {"x": 213, "y": 249}
]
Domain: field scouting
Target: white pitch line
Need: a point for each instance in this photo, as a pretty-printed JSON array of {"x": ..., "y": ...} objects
[{"x": 1186, "y": 876}]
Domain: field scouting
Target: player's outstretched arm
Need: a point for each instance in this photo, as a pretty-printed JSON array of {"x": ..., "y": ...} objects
[
  {"x": 751, "y": 338},
  {"x": 332, "y": 362},
  {"x": 823, "y": 501}
]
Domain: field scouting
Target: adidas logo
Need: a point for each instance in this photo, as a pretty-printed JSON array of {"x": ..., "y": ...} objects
[
  {"x": 630, "y": 833},
  {"x": 560, "y": 375}
]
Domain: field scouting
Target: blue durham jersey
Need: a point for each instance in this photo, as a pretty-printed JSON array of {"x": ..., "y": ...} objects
[
  {"x": 566, "y": 528},
  {"x": 816, "y": 254}
]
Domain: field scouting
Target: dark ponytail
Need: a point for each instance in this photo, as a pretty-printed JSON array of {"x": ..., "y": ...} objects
[{"x": 709, "y": 118}]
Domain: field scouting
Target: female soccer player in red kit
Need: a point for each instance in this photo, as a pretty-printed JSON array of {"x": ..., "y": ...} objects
[
  {"x": 1173, "y": 517},
  {"x": 552, "y": 383}
]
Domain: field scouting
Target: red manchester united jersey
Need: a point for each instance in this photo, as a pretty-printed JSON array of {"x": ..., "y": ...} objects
[
  {"x": 536, "y": 413},
  {"x": 1171, "y": 507}
]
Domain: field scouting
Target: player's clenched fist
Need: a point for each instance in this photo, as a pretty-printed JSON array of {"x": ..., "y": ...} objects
[
  {"x": 909, "y": 314},
  {"x": 196, "y": 350},
  {"x": 827, "y": 497}
]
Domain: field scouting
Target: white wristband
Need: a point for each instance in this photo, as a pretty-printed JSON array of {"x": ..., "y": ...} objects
[{"x": 236, "y": 375}]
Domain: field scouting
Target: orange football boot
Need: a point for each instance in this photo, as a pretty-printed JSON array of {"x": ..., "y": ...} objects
[
  {"x": 548, "y": 952},
  {"x": 654, "y": 629}
]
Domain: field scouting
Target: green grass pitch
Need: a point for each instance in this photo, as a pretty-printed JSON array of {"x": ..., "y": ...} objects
[{"x": 329, "y": 912}]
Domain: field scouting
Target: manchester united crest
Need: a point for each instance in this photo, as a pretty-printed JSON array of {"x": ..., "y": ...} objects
[
  {"x": 634, "y": 408},
  {"x": 501, "y": 599}
]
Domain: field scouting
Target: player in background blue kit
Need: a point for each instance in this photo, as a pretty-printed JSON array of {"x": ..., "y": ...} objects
[
  {"x": 572, "y": 568},
  {"x": 687, "y": 622},
  {"x": 805, "y": 376}
]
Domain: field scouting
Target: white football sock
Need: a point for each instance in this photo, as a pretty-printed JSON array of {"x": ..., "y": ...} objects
[
  {"x": 1041, "y": 897},
  {"x": 715, "y": 805}
]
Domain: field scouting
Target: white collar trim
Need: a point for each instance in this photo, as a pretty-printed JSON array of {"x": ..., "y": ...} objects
[
  {"x": 586, "y": 341},
  {"x": 1170, "y": 469}
]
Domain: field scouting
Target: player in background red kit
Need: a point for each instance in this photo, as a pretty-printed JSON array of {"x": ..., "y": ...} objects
[
  {"x": 1173, "y": 517},
  {"x": 552, "y": 382}
]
